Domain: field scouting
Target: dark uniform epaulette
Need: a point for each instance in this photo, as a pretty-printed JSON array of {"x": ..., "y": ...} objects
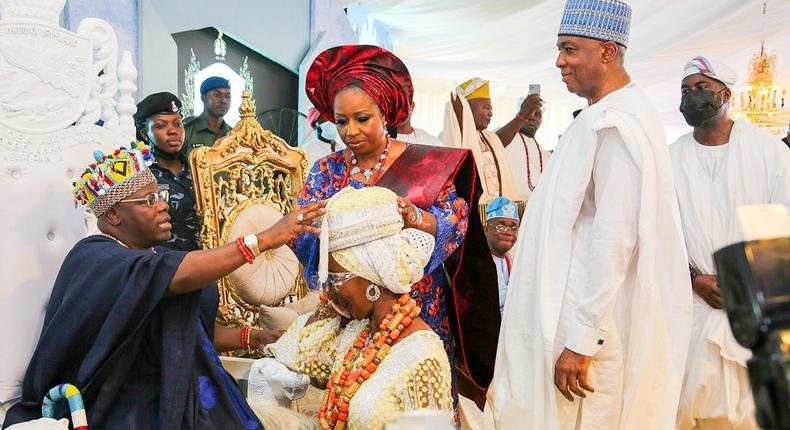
[{"x": 189, "y": 120}]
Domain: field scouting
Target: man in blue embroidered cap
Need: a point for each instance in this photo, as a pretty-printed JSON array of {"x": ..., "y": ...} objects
[
  {"x": 204, "y": 129},
  {"x": 501, "y": 230},
  {"x": 597, "y": 321}
]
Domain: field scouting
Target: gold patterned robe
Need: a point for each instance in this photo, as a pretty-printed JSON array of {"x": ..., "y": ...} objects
[{"x": 414, "y": 375}]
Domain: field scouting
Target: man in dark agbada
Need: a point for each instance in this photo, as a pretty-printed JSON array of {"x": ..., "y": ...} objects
[{"x": 131, "y": 326}]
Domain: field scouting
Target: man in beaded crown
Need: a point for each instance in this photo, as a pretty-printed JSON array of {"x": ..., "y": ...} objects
[
  {"x": 127, "y": 322},
  {"x": 114, "y": 177}
]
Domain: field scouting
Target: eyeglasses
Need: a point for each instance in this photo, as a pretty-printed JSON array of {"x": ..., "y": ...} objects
[
  {"x": 501, "y": 228},
  {"x": 151, "y": 199},
  {"x": 335, "y": 280}
]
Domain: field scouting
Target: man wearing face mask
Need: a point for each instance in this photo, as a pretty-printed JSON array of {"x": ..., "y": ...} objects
[
  {"x": 719, "y": 166},
  {"x": 325, "y": 140}
]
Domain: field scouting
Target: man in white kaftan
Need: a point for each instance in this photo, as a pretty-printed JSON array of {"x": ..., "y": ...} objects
[
  {"x": 466, "y": 119},
  {"x": 719, "y": 166},
  {"x": 526, "y": 157},
  {"x": 597, "y": 318}
]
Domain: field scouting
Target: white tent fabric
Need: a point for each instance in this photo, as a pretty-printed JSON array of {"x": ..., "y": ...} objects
[{"x": 513, "y": 44}]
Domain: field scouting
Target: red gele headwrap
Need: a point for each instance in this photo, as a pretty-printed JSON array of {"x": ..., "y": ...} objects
[{"x": 378, "y": 72}]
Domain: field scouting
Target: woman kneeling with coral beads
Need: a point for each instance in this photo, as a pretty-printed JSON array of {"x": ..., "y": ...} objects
[{"x": 367, "y": 343}]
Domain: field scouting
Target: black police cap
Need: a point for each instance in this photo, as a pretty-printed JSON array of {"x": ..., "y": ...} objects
[{"x": 157, "y": 103}]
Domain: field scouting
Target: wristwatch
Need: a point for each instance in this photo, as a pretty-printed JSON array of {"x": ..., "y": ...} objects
[
  {"x": 693, "y": 272},
  {"x": 251, "y": 242}
]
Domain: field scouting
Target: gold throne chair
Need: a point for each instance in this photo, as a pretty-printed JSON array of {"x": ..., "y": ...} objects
[{"x": 243, "y": 184}]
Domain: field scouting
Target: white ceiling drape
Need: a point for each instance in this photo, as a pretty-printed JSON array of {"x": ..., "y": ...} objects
[{"x": 513, "y": 44}]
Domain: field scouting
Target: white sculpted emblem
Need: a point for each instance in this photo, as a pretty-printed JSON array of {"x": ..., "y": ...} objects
[{"x": 46, "y": 77}]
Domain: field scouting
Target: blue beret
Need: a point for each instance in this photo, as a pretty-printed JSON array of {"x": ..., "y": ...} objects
[
  {"x": 501, "y": 207},
  {"x": 213, "y": 83}
]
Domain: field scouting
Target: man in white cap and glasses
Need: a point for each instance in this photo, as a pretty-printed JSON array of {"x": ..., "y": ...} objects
[
  {"x": 719, "y": 166},
  {"x": 598, "y": 314}
]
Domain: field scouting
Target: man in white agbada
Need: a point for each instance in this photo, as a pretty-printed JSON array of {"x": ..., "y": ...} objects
[
  {"x": 466, "y": 119},
  {"x": 719, "y": 166},
  {"x": 598, "y": 314},
  {"x": 527, "y": 158}
]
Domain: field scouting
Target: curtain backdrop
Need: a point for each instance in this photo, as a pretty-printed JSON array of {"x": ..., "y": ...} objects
[{"x": 513, "y": 44}]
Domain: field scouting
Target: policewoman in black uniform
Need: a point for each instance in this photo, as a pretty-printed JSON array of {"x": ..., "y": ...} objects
[{"x": 159, "y": 123}]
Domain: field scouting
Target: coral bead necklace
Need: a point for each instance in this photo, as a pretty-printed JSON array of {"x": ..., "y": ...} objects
[{"x": 362, "y": 360}]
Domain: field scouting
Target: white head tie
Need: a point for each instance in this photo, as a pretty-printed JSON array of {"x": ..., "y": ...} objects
[{"x": 364, "y": 232}]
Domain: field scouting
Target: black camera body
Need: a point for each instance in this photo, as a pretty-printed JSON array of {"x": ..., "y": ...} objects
[{"x": 754, "y": 278}]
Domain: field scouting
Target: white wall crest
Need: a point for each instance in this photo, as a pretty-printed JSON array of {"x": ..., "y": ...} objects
[
  {"x": 54, "y": 78},
  {"x": 56, "y": 85}
]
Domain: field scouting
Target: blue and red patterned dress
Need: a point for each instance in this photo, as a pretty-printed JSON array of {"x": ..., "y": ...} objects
[
  {"x": 330, "y": 175},
  {"x": 459, "y": 294}
]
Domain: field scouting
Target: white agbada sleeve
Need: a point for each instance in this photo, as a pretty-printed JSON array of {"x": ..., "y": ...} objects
[
  {"x": 452, "y": 135},
  {"x": 616, "y": 182}
]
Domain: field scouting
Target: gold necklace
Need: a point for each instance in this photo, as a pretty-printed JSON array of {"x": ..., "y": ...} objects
[
  {"x": 121, "y": 243},
  {"x": 115, "y": 239}
]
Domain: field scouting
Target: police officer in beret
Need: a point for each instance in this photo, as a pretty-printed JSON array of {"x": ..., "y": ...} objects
[
  {"x": 158, "y": 123},
  {"x": 204, "y": 129}
]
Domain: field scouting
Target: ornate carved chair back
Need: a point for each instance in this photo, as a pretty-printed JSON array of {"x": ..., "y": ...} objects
[{"x": 243, "y": 184}]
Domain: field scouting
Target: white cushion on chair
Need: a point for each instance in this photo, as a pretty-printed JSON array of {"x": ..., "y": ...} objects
[{"x": 272, "y": 276}]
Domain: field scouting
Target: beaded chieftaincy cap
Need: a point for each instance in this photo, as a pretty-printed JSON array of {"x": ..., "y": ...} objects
[
  {"x": 113, "y": 177},
  {"x": 605, "y": 20}
]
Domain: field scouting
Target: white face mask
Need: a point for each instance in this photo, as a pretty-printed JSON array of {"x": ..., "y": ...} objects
[{"x": 327, "y": 130}]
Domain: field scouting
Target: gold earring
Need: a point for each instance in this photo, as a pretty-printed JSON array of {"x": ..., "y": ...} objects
[{"x": 372, "y": 292}]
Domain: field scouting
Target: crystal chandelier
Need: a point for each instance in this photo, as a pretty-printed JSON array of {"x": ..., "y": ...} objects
[{"x": 761, "y": 100}]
